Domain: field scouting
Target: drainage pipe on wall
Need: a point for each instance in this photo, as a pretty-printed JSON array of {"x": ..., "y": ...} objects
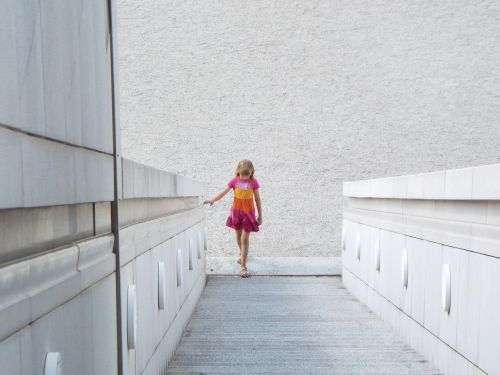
[{"x": 115, "y": 224}]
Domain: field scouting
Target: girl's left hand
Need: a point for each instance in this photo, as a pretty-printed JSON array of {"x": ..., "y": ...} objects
[{"x": 259, "y": 220}]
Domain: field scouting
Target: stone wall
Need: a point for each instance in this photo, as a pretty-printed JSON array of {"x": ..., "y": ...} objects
[
  {"x": 63, "y": 300},
  {"x": 423, "y": 252},
  {"x": 314, "y": 93},
  {"x": 58, "y": 259},
  {"x": 55, "y": 100}
]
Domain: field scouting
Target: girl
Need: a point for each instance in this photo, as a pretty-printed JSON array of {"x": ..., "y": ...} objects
[{"x": 242, "y": 215}]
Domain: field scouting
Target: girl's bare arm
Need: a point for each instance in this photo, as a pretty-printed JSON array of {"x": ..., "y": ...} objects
[
  {"x": 218, "y": 196},
  {"x": 259, "y": 206}
]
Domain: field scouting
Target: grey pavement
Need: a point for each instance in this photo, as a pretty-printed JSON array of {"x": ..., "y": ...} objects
[
  {"x": 289, "y": 325},
  {"x": 277, "y": 266}
]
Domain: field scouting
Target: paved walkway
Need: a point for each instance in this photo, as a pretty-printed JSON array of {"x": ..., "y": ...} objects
[
  {"x": 277, "y": 266},
  {"x": 289, "y": 325}
]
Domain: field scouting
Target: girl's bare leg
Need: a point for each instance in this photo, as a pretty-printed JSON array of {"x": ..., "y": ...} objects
[
  {"x": 238, "y": 239},
  {"x": 245, "y": 236}
]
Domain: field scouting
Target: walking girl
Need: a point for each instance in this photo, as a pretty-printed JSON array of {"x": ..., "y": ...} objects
[{"x": 242, "y": 215}]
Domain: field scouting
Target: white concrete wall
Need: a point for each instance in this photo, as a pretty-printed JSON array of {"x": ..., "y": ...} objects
[
  {"x": 159, "y": 331},
  {"x": 446, "y": 217},
  {"x": 313, "y": 92},
  {"x": 65, "y": 301},
  {"x": 58, "y": 271},
  {"x": 56, "y": 77},
  {"x": 55, "y": 103},
  {"x": 142, "y": 181},
  {"x": 60, "y": 302}
]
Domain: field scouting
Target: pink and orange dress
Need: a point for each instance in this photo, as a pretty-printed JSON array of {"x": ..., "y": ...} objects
[{"x": 242, "y": 214}]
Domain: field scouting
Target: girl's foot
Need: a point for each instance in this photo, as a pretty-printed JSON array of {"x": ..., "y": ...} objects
[{"x": 244, "y": 272}]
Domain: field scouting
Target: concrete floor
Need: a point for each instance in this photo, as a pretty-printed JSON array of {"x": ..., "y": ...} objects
[
  {"x": 289, "y": 325},
  {"x": 276, "y": 266}
]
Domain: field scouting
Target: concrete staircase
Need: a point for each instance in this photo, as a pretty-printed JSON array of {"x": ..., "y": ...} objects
[{"x": 289, "y": 325}]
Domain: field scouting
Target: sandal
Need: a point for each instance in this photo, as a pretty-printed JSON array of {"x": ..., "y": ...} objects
[{"x": 244, "y": 272}]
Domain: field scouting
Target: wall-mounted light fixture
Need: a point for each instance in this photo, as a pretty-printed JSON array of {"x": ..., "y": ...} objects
[
  {"x": 446, "y": 288},
  {"x": 343, "y": 238},
  {"x": 178, "y": 263},
  {"x": 377, "y": 255},
  {"x": 53, "y": 364},
  {"x": 161, "y": 286},
  {"x": 358, "y": 246},
  {"x": 191, "y": 251},
  {"x": 200, "y": 245},
  {"x": 131, "y": 317},
  {"x": 404, "y": 268}
]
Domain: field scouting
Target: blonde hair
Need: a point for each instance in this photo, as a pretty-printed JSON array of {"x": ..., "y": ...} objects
[{"x": 245, "y": 167}]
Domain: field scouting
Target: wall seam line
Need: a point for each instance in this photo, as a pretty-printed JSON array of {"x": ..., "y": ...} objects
[{"x": 54, "y": 140}]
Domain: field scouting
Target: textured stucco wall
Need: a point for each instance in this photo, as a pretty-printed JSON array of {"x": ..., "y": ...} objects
[{"x": 314, "y": 93}]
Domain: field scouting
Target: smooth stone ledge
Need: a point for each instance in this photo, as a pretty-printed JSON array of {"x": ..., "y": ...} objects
[
  {"x": 43, "y": 173},
  {"x": 475, "y": 183},
  {"x": 139, "y": 238},
  {"x": 142, "y": 181},
  {"x": 480, "y": 238},
  {"x": 282, "y": 266},
  {"x": 134, "y": 211},
  {"x": 34, "y": 287}
]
